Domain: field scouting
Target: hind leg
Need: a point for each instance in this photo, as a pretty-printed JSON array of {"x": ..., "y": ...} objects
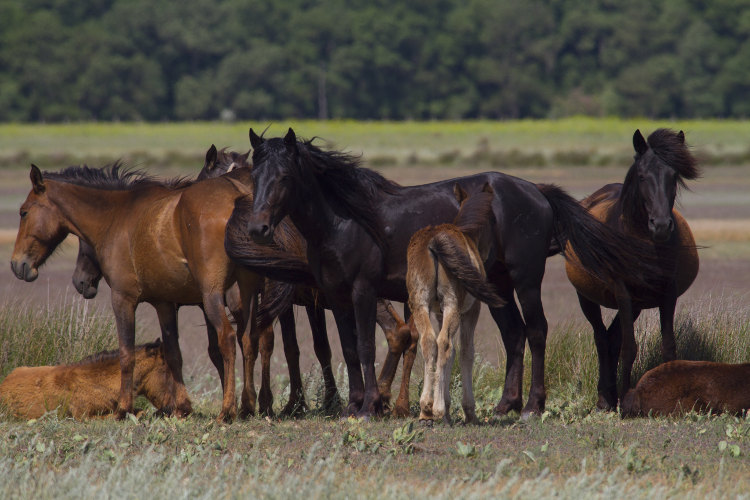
[
  {"x": 468, "y": 324},
  {"x": 510, "y": 323},
  {"x": 536, "y": 332},
  {"x": 167, "y": 314},
  {"x": 607, "y": 385},
  {"x": 428, "y": 343},
  {"x": 445, "y": 355}
]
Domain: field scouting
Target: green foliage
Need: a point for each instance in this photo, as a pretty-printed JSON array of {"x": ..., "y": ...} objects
[{"x": 448, "y": 59}]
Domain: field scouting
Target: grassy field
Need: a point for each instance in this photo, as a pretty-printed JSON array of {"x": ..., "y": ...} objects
[{"x": 570, "y": 452}]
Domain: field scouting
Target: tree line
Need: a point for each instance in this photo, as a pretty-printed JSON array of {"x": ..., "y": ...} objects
[{"x": 372, "y": 59}]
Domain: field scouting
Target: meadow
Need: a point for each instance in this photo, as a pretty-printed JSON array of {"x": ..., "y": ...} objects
[{"x": 571, "y": 451}]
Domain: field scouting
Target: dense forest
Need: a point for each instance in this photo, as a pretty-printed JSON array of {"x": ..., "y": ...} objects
[{"x": 372, "y": 59}]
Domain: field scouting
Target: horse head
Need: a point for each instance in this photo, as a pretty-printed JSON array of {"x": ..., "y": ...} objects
[
  {"x": 40, "y": 231},
  {"x": 274, "y": 162},
  {"x": 87, "y": 273},
  {"x": 651, "y": 185},
  {"x": 220, "y": 162}
]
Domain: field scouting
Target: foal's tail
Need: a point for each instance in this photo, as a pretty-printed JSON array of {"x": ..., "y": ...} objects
[
  {"x": 455, "y": 259},
  {"x": 601, "y": 250}
]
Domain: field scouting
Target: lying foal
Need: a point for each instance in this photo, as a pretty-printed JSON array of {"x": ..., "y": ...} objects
[
  {"x": 87, "y": 388},
  {"x": 680, "y": 386},
  {"x": 446, "y": 276}
]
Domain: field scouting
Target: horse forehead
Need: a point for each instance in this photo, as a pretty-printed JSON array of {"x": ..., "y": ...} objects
[{"x": 651, "y": 162}]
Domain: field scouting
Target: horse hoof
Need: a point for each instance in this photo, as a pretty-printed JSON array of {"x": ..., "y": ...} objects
[
  {"x": 505, "y": 407},
  {"x": 246, "y": 412},
  {"x": 227, "y": 416},
  {"x": 294, "y": 409},
  {"x": 426, "y": 422},
  {"x": 400, "y": 411}
]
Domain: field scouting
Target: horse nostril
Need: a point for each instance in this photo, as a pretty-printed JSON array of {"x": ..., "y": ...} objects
[
  {"x": 264, "y": 230},
  {"x": 670, "y": 224}
]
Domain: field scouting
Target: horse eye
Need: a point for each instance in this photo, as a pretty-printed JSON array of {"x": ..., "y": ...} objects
[{"x": 23, "y": 213}]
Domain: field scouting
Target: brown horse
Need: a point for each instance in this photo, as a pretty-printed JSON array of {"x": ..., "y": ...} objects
[
  {"x": 87, "y": 388},
  {"x": 676, "y": 387},
  {"x": 641, "y": 208},
  {"x": 160, "y": 243},
  {"x": 445, "y": 275}
]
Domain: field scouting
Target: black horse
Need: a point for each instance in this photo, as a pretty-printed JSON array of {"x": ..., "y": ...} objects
[
  {"x": 642, "y": 209},
  {"x": 357, "y": 225}
]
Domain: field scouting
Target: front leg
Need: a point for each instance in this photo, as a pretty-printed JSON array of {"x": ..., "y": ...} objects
[
  {"x": 365, "y": 306},
  {"x": 666, "y": 317},
  {"x": 626, "y": 315},
  {"x": 213, "y": 304},
  {"x": 348, "y": 336},
  {"x": 124, "y": 309}
]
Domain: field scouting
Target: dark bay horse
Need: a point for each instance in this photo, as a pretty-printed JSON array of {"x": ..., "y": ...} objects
[
  {"x": 642, "y": 210},
  {"x": 154, "y": 242},
  {"x": 357, "y": 225}
]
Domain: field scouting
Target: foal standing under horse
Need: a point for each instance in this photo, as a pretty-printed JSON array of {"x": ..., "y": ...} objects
[
  {"x": 446, "y": 276},
  {"x": 155, "y": 243},
  {"x": 642, "y": 210}
]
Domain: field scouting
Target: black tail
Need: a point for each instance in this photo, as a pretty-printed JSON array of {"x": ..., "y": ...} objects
[
  {"x": 601, "y": 250},
  {"x": 455, "y": 260},
  {"x": 275, "y": 299}
]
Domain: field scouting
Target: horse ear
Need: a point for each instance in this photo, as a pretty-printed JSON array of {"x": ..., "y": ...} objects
[
  {"x": 459, "y": 192},
  {"x": 290, "y": 139},
  {"x": 487, "y": 188},
  {"x": 255, "y": 141},
  {"x": 37, "y": 180},
  {"x": 639, "y": 143},
  {"x": 211, "y": 155},
  {"x": 681, "y": 136}
]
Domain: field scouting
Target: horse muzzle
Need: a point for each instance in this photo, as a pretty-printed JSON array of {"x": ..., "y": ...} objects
[
  {"x": 87, "y": 289},
  {"x": 261, "y": 232},
  {"x": 661, "y": 228},
  {"x": 24, "y": 270}
]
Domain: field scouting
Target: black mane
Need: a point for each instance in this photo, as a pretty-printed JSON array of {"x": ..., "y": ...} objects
[
  {"x": 671, "y": 149},
  {"x": 350, "y": 189},
  {"x": 114, "y": 177}
]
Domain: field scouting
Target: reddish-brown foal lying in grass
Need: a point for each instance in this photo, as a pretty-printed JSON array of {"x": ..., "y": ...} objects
[
  {"x": 87, "y": 388},
  {"x": 446, "y": 276},
  {"x": 680, "y": 386}
]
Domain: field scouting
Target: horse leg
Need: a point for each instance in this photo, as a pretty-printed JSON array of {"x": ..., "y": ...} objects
[
  {"x": 629, "y": 348},
  {"x": 348, "y": 337},
  {"x": 666, "y": 318},
  {"x": 124, "y": 309},
  {"x": 510, "y": 323},
  {"x": 213, "y": 304},
  {"x": 428, "y": 343},
  {"x": 468, "y": 324},
  {"x": 365, "y": 306},
  {"x": 167, "y": 314},
  {"x": 401, "y": 408},
  {"x": 316, "y": 316},
  {"x": 389, "y": 325},
  {"x": 536, "y": 332},
  {"x": 248, "y": 348},
  {"x": 214, "y": 353},
  {"x": 296, "y": 404},
  {"x": 607, "y": 385},
  {"x": 445, "y": 354},
  {"x": 265, "y": 395}
]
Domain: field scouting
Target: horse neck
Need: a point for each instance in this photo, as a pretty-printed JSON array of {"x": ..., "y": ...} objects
[
  {"x": 87, "y": 211},
  {"x": 311, "y": 213}
]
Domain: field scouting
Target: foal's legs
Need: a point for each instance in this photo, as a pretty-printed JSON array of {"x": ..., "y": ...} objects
[
  {"x": 445, "y": 354},
  {"x": 428, "y": 341},
  {"x": 400, "y": 341},
  {"x": 167, "y": 313},
  {"x": 124, "y": 309},
  {"x": 468, "y": 324}
]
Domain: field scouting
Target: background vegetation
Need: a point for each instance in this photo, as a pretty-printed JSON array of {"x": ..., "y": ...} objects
[{"x": 446, "y": 59}]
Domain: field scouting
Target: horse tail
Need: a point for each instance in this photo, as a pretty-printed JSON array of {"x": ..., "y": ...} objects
[
  {"x": 275, "y": 299},
  {"x": 601, "y": 250},
  {"x": 455, "y": 259}
]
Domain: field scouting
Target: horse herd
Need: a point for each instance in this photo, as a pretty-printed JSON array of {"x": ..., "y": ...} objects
[{"x": 307, "y": 226}]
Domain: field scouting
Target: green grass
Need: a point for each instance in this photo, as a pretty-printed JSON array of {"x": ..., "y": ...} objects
[
  {"x": 571, "y": 141},
  {"x": 570, "y": 451}
]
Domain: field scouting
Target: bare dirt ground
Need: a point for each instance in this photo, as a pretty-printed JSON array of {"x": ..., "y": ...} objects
[{"x": 718, "y": 208}]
